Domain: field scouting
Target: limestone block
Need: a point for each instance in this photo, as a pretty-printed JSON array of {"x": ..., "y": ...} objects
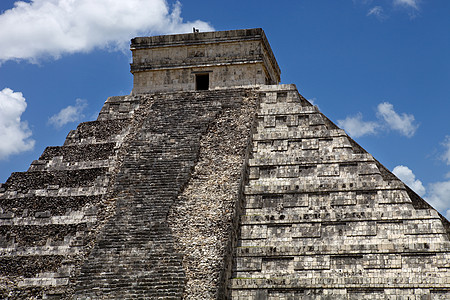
[
  {"x": 367, "y": 198},
  {"x": 249, "y": 263},
  {"x": 375, "y": 294},
  {"x": 268, "y": 172},
  {"x": 253, "y": 201},
  {"x": 310, "y": 144},
  {"x": 295, "y": 147},
  {"x": 368, "y": 169},
  {"x": 316, "y": 119},
  {"x": 280, "y": 145},
  {"x": 282, "y": 96},
  {"x": 303, "y": 121},
  {"x": 362, "y": 229},
  {"x": 382, "y": 261},
  {"x": 262, "y": 147},
  {"x": 317, "y": 262},
  {"x": 416, "y": 227},
  {"x": 306, "y": 230},
  {"x": 270, "y": 97},
  {"x": 327, "y": 170},
  {"x": 254, "y": 232},
  {"x": 292, "y": 120},
  {"x": 334, "y": 229},
  {"x": 391, "y": 229},
  {"x": 295, "y": 200},
  {"x": 342, "y": 198},
  {"x": 288, "y": 172},
  {"x": 341, "y": 142},
  {"x": 443, "y": 260},
  {"x": 271, "y": 201},
  {"x": 392, "y": 196},
  {"x": 253, "y": 173},
  {"x": 419, "y": 261},
  {"x": 439, "y": 294},
  {"x": 269, "y": 121},
  {"x": 279, "y": 232},
  {"x": 277, "y": 266},
  {"x": 347, "y": 263}
]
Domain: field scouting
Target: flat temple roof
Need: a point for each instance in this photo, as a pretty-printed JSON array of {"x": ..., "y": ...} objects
[{"x": 199, "y": 38}]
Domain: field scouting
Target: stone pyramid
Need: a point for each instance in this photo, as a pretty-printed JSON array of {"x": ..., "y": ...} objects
[{"x": 211, "y": 180}]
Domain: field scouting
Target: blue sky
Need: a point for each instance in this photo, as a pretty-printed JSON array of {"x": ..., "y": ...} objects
[{"x": 379, "y": 69}]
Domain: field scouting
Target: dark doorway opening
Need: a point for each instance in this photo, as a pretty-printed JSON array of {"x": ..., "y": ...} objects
[{"x": 201, "y": 82}]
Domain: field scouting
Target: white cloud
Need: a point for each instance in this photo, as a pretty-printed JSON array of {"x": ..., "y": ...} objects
[
  {"x": 376, "y": 11},
  {"x": 42, "y": 28},
  {"x": 408, "y": 3},
  {"x": 356, "y": 127},
  {"x": 446, "y": 155},
  {"x": 403, "y": 123},
  {"x": 439, "y": 196},
  {"x": 69, "y": 114},
  {"x": 407, "y": 176},
  {"x": 14, "y": 133},
  {"x": 387, "y": 119},
  {"x": 412, "y": 7}
]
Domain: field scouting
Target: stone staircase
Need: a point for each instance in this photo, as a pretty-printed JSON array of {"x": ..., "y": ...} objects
[
  {"x": 104, "y": 215},
  {"x": 139, "y": 253}
]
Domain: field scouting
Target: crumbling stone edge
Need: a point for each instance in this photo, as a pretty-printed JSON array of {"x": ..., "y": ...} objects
[{"x": 224, "y": 290}]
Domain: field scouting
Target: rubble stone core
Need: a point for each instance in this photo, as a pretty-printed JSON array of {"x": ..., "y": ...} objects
[{"x": 241, "y": 191}]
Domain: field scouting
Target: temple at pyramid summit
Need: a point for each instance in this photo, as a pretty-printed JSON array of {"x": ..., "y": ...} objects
[{"x": 213, "y": 181}]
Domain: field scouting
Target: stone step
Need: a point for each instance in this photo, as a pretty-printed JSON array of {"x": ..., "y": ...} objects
[
  {"x": 281, "y": 134},
  {"x": 119, "y": 107},
  {"x": 77, "y": 153},
  {"x": 102, "y": 131},
  {"x": 332, "y": 184},
  {"x": 21, "y": 181},
  {"x": 293, "y": 158},
  {"x": 417, "y": 243},
  {"x": 30, "y": 205},
  {"x": 390, "y": 281},
  {"x": 40, "y": 235},
  {"x": 258, "y": 217},
  {"x": 29, "y": 266}
]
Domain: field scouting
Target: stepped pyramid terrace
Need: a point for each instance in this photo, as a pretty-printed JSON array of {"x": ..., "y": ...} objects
[{"x": 213, "y": 181}]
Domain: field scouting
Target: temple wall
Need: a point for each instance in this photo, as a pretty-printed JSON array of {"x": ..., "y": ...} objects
[
  {"x": 184, "y": 79},
  {"x": 235, "y": 58}
]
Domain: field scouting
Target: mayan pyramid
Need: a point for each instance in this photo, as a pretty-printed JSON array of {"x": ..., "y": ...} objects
[{"x": 213, "y": 181}]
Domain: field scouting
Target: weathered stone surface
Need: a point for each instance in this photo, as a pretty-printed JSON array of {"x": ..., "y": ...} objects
[
  {"x": 55, "y": 211},
  {"x": 138, "y": 242},
  {"x": 228, "y": 58},
  {"x": 324, "y": 220},
  {"x": 202, "y": 218},
  {"x": 79, "y": 153},
  {"x": 243, "y": 193}
]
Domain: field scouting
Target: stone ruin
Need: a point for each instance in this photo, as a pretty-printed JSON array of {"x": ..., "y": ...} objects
[{"x": 213, "y": 181}]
